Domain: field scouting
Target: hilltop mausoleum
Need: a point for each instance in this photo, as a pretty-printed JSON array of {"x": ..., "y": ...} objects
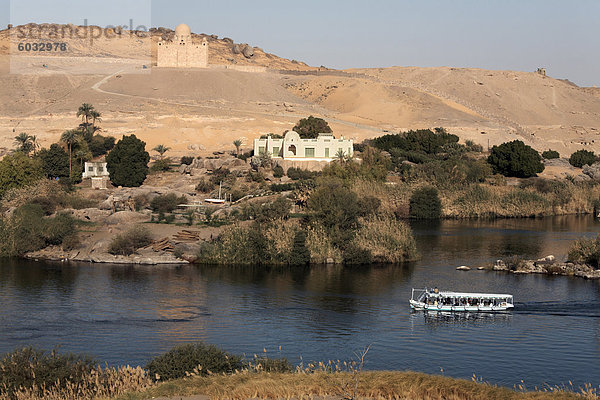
[
  {"x": 182, "y": 52},
  {"x": 292, "y": 147}
]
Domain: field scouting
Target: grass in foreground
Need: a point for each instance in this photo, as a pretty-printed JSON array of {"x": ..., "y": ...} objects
[{"x": 375, "y": 385}]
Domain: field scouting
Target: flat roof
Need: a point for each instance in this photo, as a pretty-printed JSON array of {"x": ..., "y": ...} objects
[{"x": 477, "y": 295}]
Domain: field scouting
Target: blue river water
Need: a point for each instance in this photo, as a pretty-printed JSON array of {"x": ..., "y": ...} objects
[{"x": 128, "y": 314}]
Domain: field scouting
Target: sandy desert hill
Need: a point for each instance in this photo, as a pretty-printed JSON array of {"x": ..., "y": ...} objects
[{"x": 204, "y": 110}]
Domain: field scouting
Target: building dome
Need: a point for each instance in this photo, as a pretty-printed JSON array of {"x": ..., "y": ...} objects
[{"x": 183, "y": 30}]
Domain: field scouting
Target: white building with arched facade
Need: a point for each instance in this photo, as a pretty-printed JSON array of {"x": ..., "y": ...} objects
[{"x": 292, "y": 147}]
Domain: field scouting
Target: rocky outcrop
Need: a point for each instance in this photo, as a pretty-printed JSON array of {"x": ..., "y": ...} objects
[
  {"x": 98, "y": 255},
  {"x": 593, "y": 171},
  {"x": 201, "y": 165},
  {"x": 547, "y": 265}
]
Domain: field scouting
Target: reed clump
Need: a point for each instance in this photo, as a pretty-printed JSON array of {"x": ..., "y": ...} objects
[{"x": 34, "y": 374}]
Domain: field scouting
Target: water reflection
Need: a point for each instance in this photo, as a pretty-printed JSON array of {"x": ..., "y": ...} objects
[{"x": 127, "y": 314}]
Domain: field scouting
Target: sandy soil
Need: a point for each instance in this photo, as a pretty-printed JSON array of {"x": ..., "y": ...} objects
[{"x": 200, "y": 111}]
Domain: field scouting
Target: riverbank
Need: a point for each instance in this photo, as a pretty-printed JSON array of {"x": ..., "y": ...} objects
[
  {"x": 548, "y": 266},
  {"x": 365, "y": 385}
]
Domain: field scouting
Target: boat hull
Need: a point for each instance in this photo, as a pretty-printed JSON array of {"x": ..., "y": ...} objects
[{"x": 418, "y": 306}]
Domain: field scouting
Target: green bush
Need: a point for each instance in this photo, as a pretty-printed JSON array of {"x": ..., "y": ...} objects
[
  {"x": 162, "y": 165},
  {"x": 277, "y": 171},
  {"x": 27, "y": 230},
  {"x": 309, "y": 128},
  {"x": 29, "y": 366},
  {"x": 100, "y": 145},
  {"x": 581, "y": 158},
  {"x": 18, "y": 170},
  {"x": 191, "y": 358},
  {"x": 282, "y": 187},
  {"x": 129, "y": 242},
  {"x": 425, "y": 204},
  {"x": 141, "y": 201},
  {"x": 187, "y": 160},
  {"x": 297, "y": 174},
  {"x": 586, "y": 251},
  {"x": 550, "y": 154},
  {"x": 205, "y": 186},
  {"x": 127, "y": 163},
  {"x": 219, "y": 176},
  {"x": 55, "y": 162},
  {"x": 515, "y": 159},
  {"x": 421, "y": 141},
  {"x": 256, "y": 176},
  {"x": 300, "y": 255},
  {"x": 355, "y": 255},
  {"x": 166, "y": 203}
]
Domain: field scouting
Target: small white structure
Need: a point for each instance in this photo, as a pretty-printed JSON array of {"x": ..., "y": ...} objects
[
  {"x": 292, "y": 147},
  {"x": 95, "y": 169}
]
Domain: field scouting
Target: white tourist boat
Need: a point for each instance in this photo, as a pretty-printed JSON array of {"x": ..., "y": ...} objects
[{"x": 436, "y": 300}]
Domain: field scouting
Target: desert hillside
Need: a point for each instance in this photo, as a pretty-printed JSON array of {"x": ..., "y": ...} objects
[
  {"x": 130, "y": 45},
  {"x": 204, "y": 110}
]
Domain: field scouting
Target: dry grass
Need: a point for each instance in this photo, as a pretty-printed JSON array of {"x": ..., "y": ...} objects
[
  {"x": 100, "y": 383},
  {"x": 487, "y": 200},
  {"x": 388, "y": 240},
  {"x": 320, "y": 246},
  {"x": 373, "y": 385}
]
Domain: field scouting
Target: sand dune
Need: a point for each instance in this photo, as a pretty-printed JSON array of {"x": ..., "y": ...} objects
[{"x": 197, "y": 111}]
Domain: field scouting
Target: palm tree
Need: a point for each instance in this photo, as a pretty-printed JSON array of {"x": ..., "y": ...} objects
[
  {"x": 69, "y": 138},
  {"x": 340, "y": 155},
  {"x": 85, "y": 112},
  {"x": 96, "y": 116},
  {"x": 237, "y": 143},
  {"x": 34, "y": 143},
  {"x": 23, "y": 143},
  {"x": 161, "y": 149}
]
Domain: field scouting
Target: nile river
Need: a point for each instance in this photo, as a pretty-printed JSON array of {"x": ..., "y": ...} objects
[{"x": 126, "y": 315}]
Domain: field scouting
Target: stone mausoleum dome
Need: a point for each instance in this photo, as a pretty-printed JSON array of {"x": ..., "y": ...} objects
[{"x": 183, "y": 33}]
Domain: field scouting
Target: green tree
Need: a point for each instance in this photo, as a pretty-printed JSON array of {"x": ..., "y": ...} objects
[
  {"x": 85, "y": 111},
  {"x": 55, "y": 161},
  {"x": 300, "y": 254},
  {"x": 515, "y": 159},
  {"x": 96, "y": 117},
  {"x": 550, "y": 154},
  {"x": 581, "y": 158},
  {"x": 35, "y": 145},
  {"x": 18, "y": 170},
  {"x": 100, "y": 145},
  {"x": 336, "y": 208},
  {"x": 23, "y": 143},
  {"x": 161, "y": 149},
  {"x": 70, "y": 138},
  {"x": 425, "y": 204},
  {"x": 127, "y": 163},
  {"x": 309, "y": 128},
  {"x": 238, "y": 144}
]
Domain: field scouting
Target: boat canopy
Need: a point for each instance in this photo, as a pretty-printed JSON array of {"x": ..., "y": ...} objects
[{"x": 470, "y": 295}]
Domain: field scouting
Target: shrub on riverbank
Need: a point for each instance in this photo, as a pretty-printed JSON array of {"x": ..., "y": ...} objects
[
  {"x": 200, "y": 359},
  {"x": 586, "y": 251},
  {"x": 387, "y": 240},
  {"x": 425, "y": 204},
  {"x": 127, "y": 243},
  {"x": 27, "y": 229},
  {"x": 34, "y": 374}
]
